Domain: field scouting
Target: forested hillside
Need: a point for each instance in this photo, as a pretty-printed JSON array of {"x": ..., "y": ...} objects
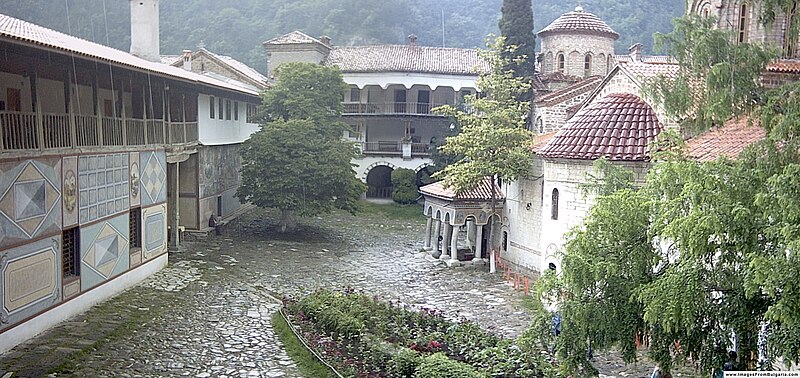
[{"x": 237, "y": 28}]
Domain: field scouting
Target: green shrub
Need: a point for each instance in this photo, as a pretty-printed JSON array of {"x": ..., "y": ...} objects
[
  {"x": 404, "y": 186},
  {"x": 438, "y": 365},
  {"x": 406, "y": 363}
]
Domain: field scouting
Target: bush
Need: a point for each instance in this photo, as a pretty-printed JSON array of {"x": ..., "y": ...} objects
[
  {"x": 406, "y": 363},
  {"x": 404, "y": 186},
  {"x": 438, "y": 365}
]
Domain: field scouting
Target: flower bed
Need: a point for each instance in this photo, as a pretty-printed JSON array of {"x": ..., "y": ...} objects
[{"x": 366, "y": 337}]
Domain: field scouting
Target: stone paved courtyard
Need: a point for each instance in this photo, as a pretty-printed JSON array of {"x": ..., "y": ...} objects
[{"x": 207, "y": 314}]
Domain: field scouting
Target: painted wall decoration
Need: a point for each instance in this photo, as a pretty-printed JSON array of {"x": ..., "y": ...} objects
[
  {"x": 219, "y": 169},
  {"x": 104, "y": 250},
  {"x": 30, "y": 280},
  {"x": 135, "y": 175},
  {"x": 30, "y": 199},
  {"x": 154, "y": 231},
  {"x": 103, "y": 183},
  {"x": 153, "y": 177},
  {"x": 69, "y": 189}
]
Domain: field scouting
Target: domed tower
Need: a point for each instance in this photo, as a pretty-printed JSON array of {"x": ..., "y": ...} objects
[{"x": 577, "y": 44}]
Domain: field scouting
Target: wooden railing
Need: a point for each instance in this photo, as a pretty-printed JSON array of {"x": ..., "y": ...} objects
[
  {"x": 30, "y": 131},
  {"x": 382, "y": 147},
  {"x": 422, "y": 108},
  {"x": 379, "y": 192}
]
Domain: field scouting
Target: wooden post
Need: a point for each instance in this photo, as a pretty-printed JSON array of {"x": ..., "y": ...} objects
[
  {"x": 96, "y": 109},
  {"x": 68, "y": 109},
  {"x": 122, "y": 107},
  {"x": 183, "y": 113},
  {"x": 37, "y": 107}
]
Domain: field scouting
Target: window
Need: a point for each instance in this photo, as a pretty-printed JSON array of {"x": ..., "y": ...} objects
[
  {"x": 70, "y": 253},
  {"x": 505, "y": 240},
  {"x": 228, "y": 110},
  {"x": 236, "y": 110},
  {"x": 790, "y": 37},
  {"x": 221, "y": 107},
  {"x": 135, "y": 228},
  {"x": 743, "y": 23},
  {"x": 355, "y": 94},
  {"x": 251, "y": 113},
  {"x": 587, "y": 65},
  {"x": 554, "y": 209},
  {"x": 560, "y": 60},
  {"x": 211, "y": 107}
]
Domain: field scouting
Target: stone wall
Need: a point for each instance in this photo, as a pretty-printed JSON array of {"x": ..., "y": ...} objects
[
  {"x": 554, "y": 116},
  {"x": 620, "y": 82},
  {"x": 522, "y": 220},
  {"x": 308, "y": 53},
  {"x": 219, "y": 177},
  {"x": 575, "y": 48}
]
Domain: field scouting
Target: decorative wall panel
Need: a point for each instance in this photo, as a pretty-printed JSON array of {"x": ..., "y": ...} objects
[
  {"x": 154, "y": 231},
  {"x": 135, "y": 176},
  {"x": 104, "y": 188},
  {"x": 219, "y": 169},
  {"x": 104, "y": 251},
  {"x": 153, "y": 166},
  {"x": 30, "y": 280},
  {"x": 30, "y": 199},
  {"x": 69, "y": 189}
]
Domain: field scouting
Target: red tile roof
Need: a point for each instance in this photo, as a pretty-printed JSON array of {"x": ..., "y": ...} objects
[
  {"x": 784, "y": 66},
  {"x": 407, "y": 58},
  {"x": 482, "y": 191},
  {"x": 729, "y": 140},
  {"x": 568, "y": 92},
  {"x": 644, "y": 70},
  {"x": 542, "y": 140},
  {"x": 619, "y": 126},
  {"x": 579, "y": 21}
]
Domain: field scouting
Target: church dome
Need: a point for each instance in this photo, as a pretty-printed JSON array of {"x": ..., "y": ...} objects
[
  {"x": 619, "y": 127},
  {"x": 579, "y": 22}
]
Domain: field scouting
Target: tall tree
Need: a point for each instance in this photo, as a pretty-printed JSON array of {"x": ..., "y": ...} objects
[
  {"x": 516, "y": 26},
  {"x": 298, "y": 161},
  {"x": 493, "y": 140}
]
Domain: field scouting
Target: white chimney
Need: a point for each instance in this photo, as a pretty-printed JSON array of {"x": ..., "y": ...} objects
[
  {"x": 144, "y": 29},
  {"x": 635, "y": 52},
  {"x": 187, "y": 60}
]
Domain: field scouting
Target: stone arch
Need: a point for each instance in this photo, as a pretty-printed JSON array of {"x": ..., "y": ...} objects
[
  {"x": 375, "y": 164},
  {"x": 561, "y": 62},
  {"x": 438, "y": 215},
  {"x": 379, "y": 181},
  {"x": 548, "y": 62},
  {"x": 587, "y": 64},
  {"x": 429, "y": 211},
  {"x": 447, "y": 217},
  {"x": 602, "y": 64}
]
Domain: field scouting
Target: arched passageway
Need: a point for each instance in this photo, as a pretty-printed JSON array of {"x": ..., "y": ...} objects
[{"x": 379, "y": 182}]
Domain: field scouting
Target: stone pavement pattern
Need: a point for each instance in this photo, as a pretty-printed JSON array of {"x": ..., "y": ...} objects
[{"x": 208, "y": 313}]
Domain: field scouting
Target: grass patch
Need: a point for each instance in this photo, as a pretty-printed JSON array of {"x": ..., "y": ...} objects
[
  {"x": 394, "y": 210},
  {"x": 308, "y": 365}
]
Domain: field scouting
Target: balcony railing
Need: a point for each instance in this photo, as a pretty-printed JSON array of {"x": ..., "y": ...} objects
[
  {"x": 403, "y": 149},
  {"x": 414, "y": 108},
  {"x": 30, "y": 131}
]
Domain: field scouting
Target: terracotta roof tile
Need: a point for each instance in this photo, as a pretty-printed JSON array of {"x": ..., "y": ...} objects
[
  {"x": 31, "y": 34},
  {"x": 482, "y": 191},
  {"x": 579, "y": 21},
  {"x": 568, "y": 92},
  {"x": 644, "y": 71},
  {"x": 250, "y": 72},
  {"x": 784, "y": 66},
  {"x": 619, "y": 126},
  {"x": 407, "y": 58},
  {"x": 542, "y": 140},
  {"x": 729, "y": 140},
  {"x": 293, "y": 38}
]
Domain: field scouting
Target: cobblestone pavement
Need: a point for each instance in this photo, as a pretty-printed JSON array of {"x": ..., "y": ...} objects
[{"x": 207, "y": 314}]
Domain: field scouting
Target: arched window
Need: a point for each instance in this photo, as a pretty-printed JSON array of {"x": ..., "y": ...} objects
[
  {"x": 560, "y": 62},
  {"x": 505, "y": 240},
  {"x": 554, "y": 209},
  {"x": 744, "y": 23},
  {"x": 587, "y": 65}
]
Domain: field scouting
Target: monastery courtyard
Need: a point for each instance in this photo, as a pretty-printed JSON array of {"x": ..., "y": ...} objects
[{"x": 208, "y": 313}]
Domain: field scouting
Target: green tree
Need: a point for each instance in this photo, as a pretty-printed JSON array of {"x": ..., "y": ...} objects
[
  {"x": 516, "y": 25},
  {"x": 492, "y": 140},
  {"x": 298, "y": 161},
  {"x": 404, "y": 186}
]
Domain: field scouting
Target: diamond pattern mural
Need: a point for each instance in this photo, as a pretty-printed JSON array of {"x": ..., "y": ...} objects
[
  {"x": 31, "y": 199},
  {"x": 104, "y": 250},
  {"x": 103, "y": 254},
  {"x": 153, "y": 177}
]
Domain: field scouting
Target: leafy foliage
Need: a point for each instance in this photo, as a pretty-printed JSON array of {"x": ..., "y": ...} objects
[
  {"x": 404, "y": 186},
  {"x": 298, "y": 162},
  {"x": 438, "y": 365}
]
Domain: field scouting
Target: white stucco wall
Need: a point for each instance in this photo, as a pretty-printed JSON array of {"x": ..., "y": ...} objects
[
  {"x": 222, "y": 131},
  {"x": 523, "y": 222},
  {"x": 366, "y": 162},
  {"x": 409, "y": 79}
]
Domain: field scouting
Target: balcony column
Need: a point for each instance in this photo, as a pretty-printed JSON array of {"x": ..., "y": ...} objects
[
  {"x": 436, "y": 233},
  {"x": 36, "y": 106},
  {"x": 448, "y": 231},
  {"x": 478, "y": 243},
  {"x": 73, "y": 129},
  {"x": 428, "y": 231},
  {"x": 96, "y": 109},
  {"x": 173, "y": 171}
]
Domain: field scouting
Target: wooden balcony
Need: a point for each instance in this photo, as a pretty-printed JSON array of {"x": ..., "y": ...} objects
[
  {"x": 390, "y": 108},
  {"x": 396, "y": 148},
  {"x": 21, "y": 131}
]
